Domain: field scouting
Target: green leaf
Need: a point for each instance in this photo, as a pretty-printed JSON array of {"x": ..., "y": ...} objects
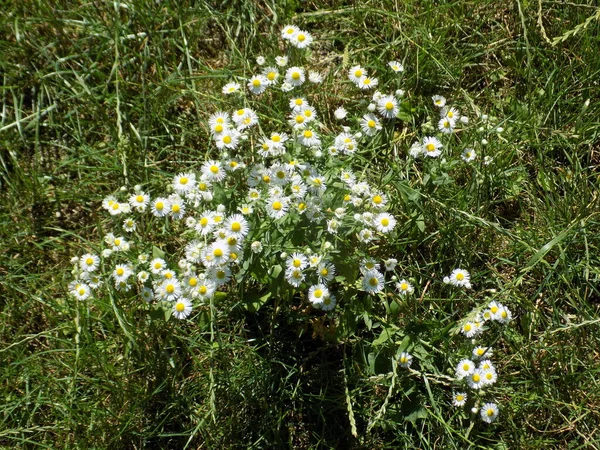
[
  {"x": 255, "y": 301},
  {"x": 157, "y": 253}
]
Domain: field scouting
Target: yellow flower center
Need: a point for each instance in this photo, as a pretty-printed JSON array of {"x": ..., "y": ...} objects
[
  {"x": 277, "y": 206},
  {"x": 193, "y": 282},
  {"x": 120, "y": 271},
  {"x": 157, "y": 265},
  {"x": 324, "y": 272},
  {"x": 450, "y": 114},
  {"x": 389, "y": 106},
  {"x": 89, "y": 261},
  {"x": 180, "y": 307},
  {"x": 476, "y": 378},
  {"x": 117, "y": 242},
  {"x": 466, "y": 367},
  {"x": 494, "y": 309},
  {"x": 367, "y": 81},
  {"x": 301, "y": 38},
  {"x": 241, "y": 112},
  {"x": 490, "y": 412},
  {"x": 385, "y": 222},
  {"x": 139, "y": 198},
  {"x": 459, "y": 398},
  {"x": 168, "y": 275},
  {"x": 219, "y": 128},
  {"x": 215, "y": 169},
  {"x": 236, "y": 226},
  {"x": 170, "y": 289},
  {"x": 203, "y": 290},
  {"x": 430, "y": 147},
  {"x": 318, "y": 293},
  {"x": 296, "y": 75},
  {"x": 227, "y": 140},
  {"x": 175, "y": 208},
  {"x": 276, "y": 138},
  {"x": 297, "y": 263},
  {"x": 204, "y": 221},
  {"x": 404, "y": 286},
  {"x": 203, "y": 186},
  {"x": 460, "y": 276},
  {"x": 358, "y": 73},
  {"x": 280, "y": 174},
  {"x": 266, "y": 178},
  {"x": 256, "y": 83},
  {"x": 299, "y": 119},
  {"x": 467, "y": 327},
  {"x": 115, "y": 206},
  {"x": 371, "y": 124},
  {"x": 81, "y": 291},
  {"x": 308, "y": 134},
  {"x": 271, "y": 76},
  {"x": 159, "y": 206},
  {"x": 373, "y": 281},
  {"x": 378, "y": 199}
]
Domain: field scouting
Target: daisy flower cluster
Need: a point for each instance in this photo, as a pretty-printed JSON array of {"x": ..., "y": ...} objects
[
  {"x": 289, "y": 175},
  {"x": 476, "y": 373}
]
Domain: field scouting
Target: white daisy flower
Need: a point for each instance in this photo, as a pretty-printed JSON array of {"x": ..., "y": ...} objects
[
  {"x": 121, "y": 272},
  {"x": 169, "y": 290},
  {"x": 258, "y": 84},
  {"x": 301, "y": 39},
  {"x": 387, "y": 106},
  {"x": 367, "y": 83},
  {"x": 89, "y": 262},
  {"x": 289, "y": 31},
  {"x": 396, "y": 66},
  {"x": 450, "y": 113},
  {"x": 328, "y": 303},
  {"x": 231, "y": 88},
  {"x": 294, "y": 276},
  {"x": 385, "y": 222},
  {"x": 459, "y": 399},
  {"x": 464, "y": 368},
  {"x": 160, "y": 207},
  {"x": 316, "y": 293},
  {"x": 147, "y": 294},
  {"x": 139, "y": 201},
  {"x": 432, "y": 147},
  {"x": 271, "y": 74},
  {"x": 460, "y": 277},
  {"x": 405, "y": 360},
  {"x": 356, "y": 73},
  {"x": 373, "y": 282},
  {"x": 281, "y": 61},
  {"x": 182, "y": 308},
  {"x": 446, "y": 125},
  {"x": 129, "y": 225},
  {"x": 297, "y": 261},
  {"x": 326, "y": 272},
  {"x": 295, "y": 76},
  {"x": 315, "y": 77},
  {"x": 277, "y": 207},
  {"x": 404, "y": 287},
  {"x": 370, "y": 124},
  {"x": 340, "y": 113},
  {"x": 468, "y": 155},
  {"x": 80, "y": 291},
  {"x": 489, "y": 412},
  {"x": 439, "y": 101},
  {"x": 213, "y": 170}
]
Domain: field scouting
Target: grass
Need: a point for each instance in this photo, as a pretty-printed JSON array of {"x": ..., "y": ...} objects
[{"x": 100, "y": 95}]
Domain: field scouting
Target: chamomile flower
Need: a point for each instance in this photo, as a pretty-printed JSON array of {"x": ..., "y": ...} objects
[
  {"x": 143, "y": 276},
  {"x": 309, "y": 138},
  {"x": 459, "y": 398},
  {"x": 121, "y": 272},
  {"x": 370, "y": 124},
  {"x": 481, "y": 352},
  {"x": 489, "y": 377},
  {"x": 176, "y": 207},
  {"x": 89, "y": 262},
  {"x": 446, "y": 125},
  {"x": 129, "y": 225},
  {"x": 345, "y": 143},
  {"x": 301, "y": 39},
  {"x": 139, "y": 201},
  {"x": 236, "y": 226},
  {"x": 316, "y": 293},
  {"x": 231, "y": 88},
  {"x": 160, "y": 207},
  {"x": 120, "y": 244},
  {"x": 439, "y": 101},
  {"x": 80, "y": 291},
  {"x": 503, "y": 315},
  {"x": 405, "y": 360},
  {"x": 367, "y": 83},
  {"x": 486, "y": 364},
  {"x": 396, "y": 66},
  {"x": 297, "y": 261},
  {"x": 450, "y": 113},
  {"x": 468, "y": 155},
  {"x": 169, "y": 290},
  {"x": 326, "y": 272},
  {"x": 489, "y": 412},
  {"x": 365, "y": 235},
  {"x": 213, "y": 170},
  {"x": 431, "y": 147},
  {"x": 157, "y": 265},
  {"x": 356, "y": 73},
  {"x": 184, "y": 183},
  {"x": 289, "y": 31},
  {"x": 469, "y": 329},
  {"x": 277, "y": 207},
  {"x": 385, "y": 222},
  {"x": 476, "y": 380},
  {"x": 378, "y": 200},
  {"x": 295, "y": 76},
  {"x": 294, "y": 276},
  {"x": 229, "y": 138},
  {"x": 258, "y": 84},
  {"x": 271, "y": 75},
  {"x": 373, "y": 282},
  {"x": 182, "y": 308},
  {"x": 404, "y": 287},
  {"x": 387, "y": 106},
  {"x": 460, "y": 277},
  {"x": 464, "y": 368}
]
